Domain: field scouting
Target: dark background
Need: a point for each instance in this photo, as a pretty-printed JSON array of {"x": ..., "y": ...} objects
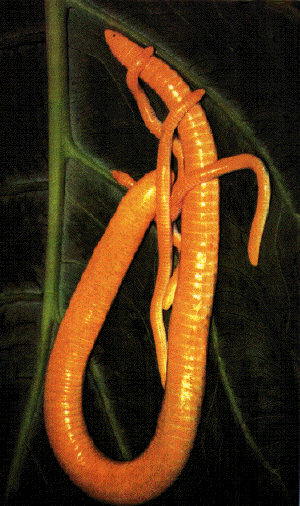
[
  {"x": 23, "y": 204},
  {"x": 24, "y": 188}
]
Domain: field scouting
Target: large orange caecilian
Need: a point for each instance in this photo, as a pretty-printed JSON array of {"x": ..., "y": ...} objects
[{"x": 181, "y": 359}]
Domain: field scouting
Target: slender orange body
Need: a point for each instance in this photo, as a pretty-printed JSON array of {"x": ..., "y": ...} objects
[{"x": 152, "y": 472}]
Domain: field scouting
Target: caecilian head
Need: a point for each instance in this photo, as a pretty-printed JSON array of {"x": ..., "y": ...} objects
[{"x": 126, "y": 51}]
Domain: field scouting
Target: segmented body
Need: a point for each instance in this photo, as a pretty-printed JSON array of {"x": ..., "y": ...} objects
[
  {"x": 200, "y": 210},
  {"x": 153, "y": 471}
]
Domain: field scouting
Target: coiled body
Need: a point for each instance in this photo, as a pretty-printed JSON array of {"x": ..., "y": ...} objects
[{"x": 152, "y": 472}]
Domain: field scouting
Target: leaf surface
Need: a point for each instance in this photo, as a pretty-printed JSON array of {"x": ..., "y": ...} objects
[{"x": 241, "y": 54}]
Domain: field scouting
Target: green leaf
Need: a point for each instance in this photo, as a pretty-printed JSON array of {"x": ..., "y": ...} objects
[{"x": 239, "y": 54}]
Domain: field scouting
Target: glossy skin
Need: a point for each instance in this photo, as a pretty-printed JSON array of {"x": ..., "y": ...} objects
[{"x": 196, "y": 194}]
